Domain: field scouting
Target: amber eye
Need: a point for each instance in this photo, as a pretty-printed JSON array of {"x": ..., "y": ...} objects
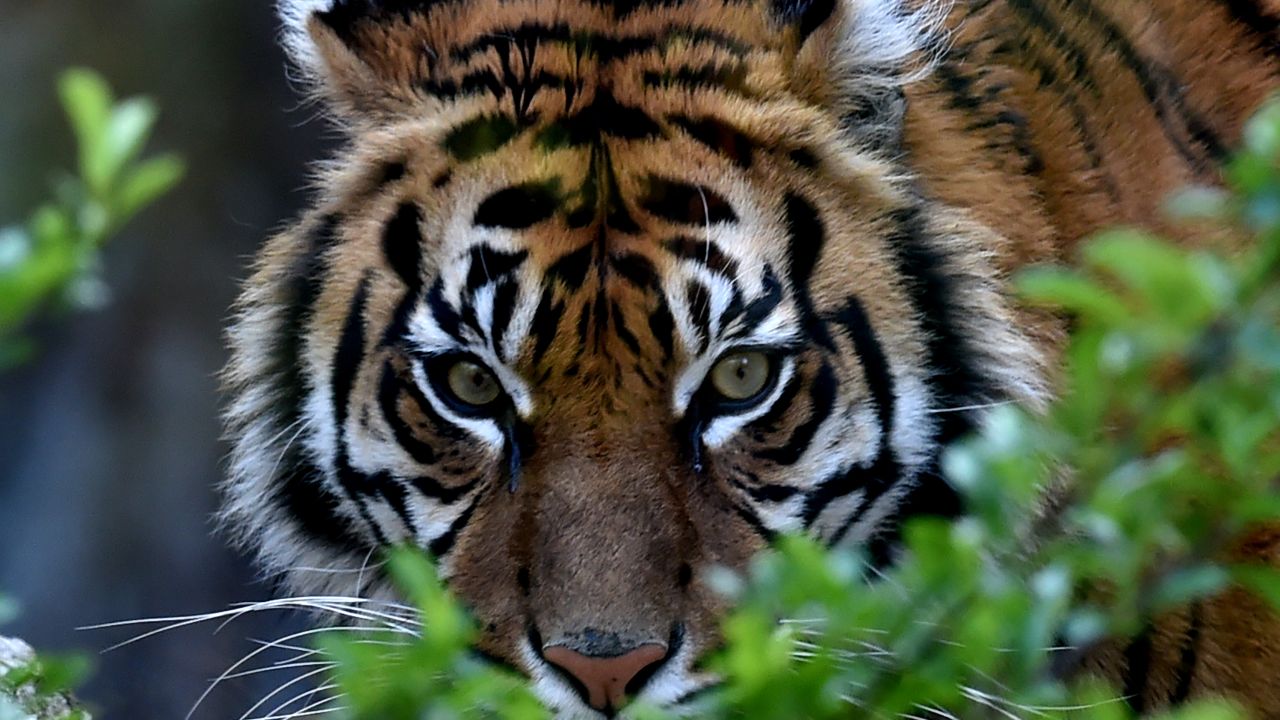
[
  {"x": 472, "y": 384},
  {"x": 741, "y": 376}
]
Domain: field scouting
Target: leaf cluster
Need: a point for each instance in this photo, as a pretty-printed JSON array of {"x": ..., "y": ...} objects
[{"x": 51, "y": 260}]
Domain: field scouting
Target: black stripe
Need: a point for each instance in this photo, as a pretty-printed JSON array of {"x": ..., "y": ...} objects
[
  {"x": 521, "y": 206},
  {"x": 806, "y": 15},
  {"x": 662, "y": 326},
  {"x": 448, "y": 319},
  {"x": 822, "y": 398},
  {"x": 806, "y": 237},
  {"x": 571, "y": 268},
  {"x": 771, "y": 493},
  {"x": 1190, "y": 655},
  {"x": 705, "y": 252},
  {"x": 604, "y": 116},
  {"x": 402, "y": 245},
  {"x": 886, "y": 470},
  {"x": 624, "y": 333},
  {"x": 754, "y": 521},
  {"x": 635, "y": 269},
  {"x": 685, "y": 204},
  {"x": 1156, "y": 81},
  {"x": 504, "y": 307},
  {"x": 966, "y": 97},
  {"x": 1138, "y": 670},
  {"x": 489, "y": 265},
  {"x": 605, "y": 47},
  {"x": 757, "y": 310},
  {"x": 346, "y": 365},
  {"x": 698, "y": 297},
  {"x": 958, "y": 378},
  {"x": 1263, "y": 25},
  {"x": 1079, "y": 116},
  {"x": 397, "y": 497},
  {"x": 441, "y": 546},
  {"x": 721, "y": 137},
  {"x": 546, "y": 322},
  {"x": 300, "y": 490},
  {"x": 388, "y": 395},
  {"x": 731, "y": 78},
  {"x": 875, "y": 366}
]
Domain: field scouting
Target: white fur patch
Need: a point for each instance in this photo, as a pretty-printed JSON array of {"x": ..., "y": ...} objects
[
  {"x": 294, "y": 15},
  {"x": 884, "y": 34}
]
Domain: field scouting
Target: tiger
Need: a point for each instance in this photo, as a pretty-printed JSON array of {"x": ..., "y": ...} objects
[{"x": 598, "y": 295}]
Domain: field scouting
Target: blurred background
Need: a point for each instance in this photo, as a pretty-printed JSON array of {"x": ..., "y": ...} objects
[{"x": 109, "y": 437}]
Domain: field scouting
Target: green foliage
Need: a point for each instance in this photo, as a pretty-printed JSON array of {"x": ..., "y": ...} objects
[
  {"x": 37, "y": 689},
  {"x": 382, "y": 677},
  {"x": 52, "y": 259},
  {"x": 1084, "y": 523}
]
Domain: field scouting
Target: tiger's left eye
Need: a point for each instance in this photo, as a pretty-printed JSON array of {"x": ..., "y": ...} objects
[
  {"x": 741, "y": 376},
  {"x": 472, "y": 384}
]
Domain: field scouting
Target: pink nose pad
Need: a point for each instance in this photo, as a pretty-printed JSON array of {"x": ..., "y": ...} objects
[{"x": 606, "y": 678}]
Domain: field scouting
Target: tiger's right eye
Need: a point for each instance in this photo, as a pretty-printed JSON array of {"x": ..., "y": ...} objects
[{"x": 472, "y": 385}]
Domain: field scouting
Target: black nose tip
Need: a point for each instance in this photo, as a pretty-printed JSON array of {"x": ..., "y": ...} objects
[{"x": 605, "y": 680}]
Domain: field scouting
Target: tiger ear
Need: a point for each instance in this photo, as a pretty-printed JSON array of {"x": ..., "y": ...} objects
[
  {"x": 366, "y": 57},
  {"x": 856, "y": 57}
]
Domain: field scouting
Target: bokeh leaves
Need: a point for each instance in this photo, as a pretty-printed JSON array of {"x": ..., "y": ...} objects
[{"x": 51, "y": 261}]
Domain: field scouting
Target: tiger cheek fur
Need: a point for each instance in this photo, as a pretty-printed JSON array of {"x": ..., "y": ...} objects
[{"x": 499, "y": 333}]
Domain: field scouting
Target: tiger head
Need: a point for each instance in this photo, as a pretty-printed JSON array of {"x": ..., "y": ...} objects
[{"x": 598, "y": 297}]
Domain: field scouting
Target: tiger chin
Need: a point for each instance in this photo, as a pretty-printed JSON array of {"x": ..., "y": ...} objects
[{"x": 597, "y": 296}]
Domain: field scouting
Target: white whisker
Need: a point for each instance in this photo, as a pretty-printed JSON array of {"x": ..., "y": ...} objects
[
  {"x": 264, "y": 647},
  {"x": 300, "y": 678},
  {"x": 968, "y": 408}
]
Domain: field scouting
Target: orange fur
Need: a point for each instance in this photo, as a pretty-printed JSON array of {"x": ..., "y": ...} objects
[{"x": 869, "y": 173}]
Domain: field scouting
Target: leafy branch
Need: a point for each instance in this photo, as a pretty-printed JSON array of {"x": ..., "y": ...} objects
[{"x": 52, "y": 259}]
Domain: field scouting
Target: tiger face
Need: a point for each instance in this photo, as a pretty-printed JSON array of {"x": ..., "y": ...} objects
[{"x": 596, "y": 299}]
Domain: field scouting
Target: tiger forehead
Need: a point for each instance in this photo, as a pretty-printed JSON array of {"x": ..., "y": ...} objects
[{"x": 448, "y": 47}]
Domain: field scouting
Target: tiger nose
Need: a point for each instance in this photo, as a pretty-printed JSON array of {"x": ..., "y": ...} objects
[{"x": 606, "y": 679}]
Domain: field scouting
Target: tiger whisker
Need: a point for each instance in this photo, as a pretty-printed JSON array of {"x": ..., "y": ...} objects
[
  {"x": 300, "y": 678},
  {"x": 277, "y": 666},
  {"x": 263, "y": 648},
  {"x": 315, "y": 708},
  {"x": 285, "y": 450},
  {"x": 989, "y": 701},
  {"x": 967, "y": 408},
  {"x": 230, "y": 615}
]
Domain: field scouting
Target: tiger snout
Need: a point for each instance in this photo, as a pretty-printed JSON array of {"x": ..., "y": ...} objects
[{"x": 604, "y": 601}]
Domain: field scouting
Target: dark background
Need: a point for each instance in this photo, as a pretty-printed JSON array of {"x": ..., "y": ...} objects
[{"x": 109, "y": 439}]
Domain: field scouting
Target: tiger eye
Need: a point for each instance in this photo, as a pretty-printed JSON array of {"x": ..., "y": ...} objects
[
  {"x": 741, "y": 375},
  {"x": 473, "y": 384}
]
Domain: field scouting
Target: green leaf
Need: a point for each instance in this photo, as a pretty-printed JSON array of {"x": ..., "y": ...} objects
[
  {"x": 126, "y": 132},
  {"x": 1190, "y": 584},
  {"x": 1199, "y": 203},
  {"x": 1171, "y": 282},
  {"x": 1263, "y": 580},
  {"x": 87, "y": 101},
  {"x": 147, "y": 182},
  {"x": 1262, "y": 132},
  {"x": 1068, "y": 290}
]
